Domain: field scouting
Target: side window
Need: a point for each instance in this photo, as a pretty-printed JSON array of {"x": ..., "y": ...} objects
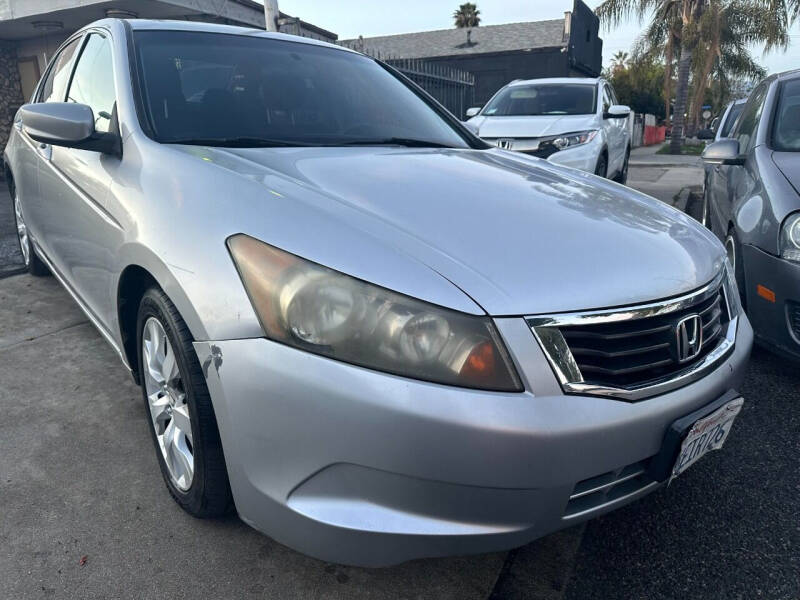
[
  {"x": 612, "y": 94},
  {"x": 747, "y": 124},
  {"x": 55, "y": 84},
  {"x": 607, "y": 100},
  {"x": 93, "y": 81}
]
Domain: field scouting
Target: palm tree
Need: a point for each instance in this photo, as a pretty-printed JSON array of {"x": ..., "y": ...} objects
[
  {"x": 694, "y": 26},
  {"x": 467, "y": 16},
  {"x": 619, "y": 61}
]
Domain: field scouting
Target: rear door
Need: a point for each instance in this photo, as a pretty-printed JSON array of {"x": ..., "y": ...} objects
[{"x": 75, "y": 184}]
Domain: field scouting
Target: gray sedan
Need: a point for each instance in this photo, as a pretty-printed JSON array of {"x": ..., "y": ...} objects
[
  {"x": 374, "y": 335},
  {"x": 752, "y": 199}
]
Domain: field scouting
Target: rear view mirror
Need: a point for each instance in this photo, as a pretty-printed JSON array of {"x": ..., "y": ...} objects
[
  {"x": 473, "y": 112},
  {"x": 617, "y": 111},
  {"x": 67, "y": 124},
  {"x": 723, "y": 152}
]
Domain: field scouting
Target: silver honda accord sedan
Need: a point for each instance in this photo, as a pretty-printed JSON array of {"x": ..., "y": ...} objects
[{"x": 372, "y": 334}]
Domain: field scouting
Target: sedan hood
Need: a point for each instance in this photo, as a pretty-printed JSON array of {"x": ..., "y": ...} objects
[
  {"x": 530, "y": 127},
  {"x": 517, "y": 235}
]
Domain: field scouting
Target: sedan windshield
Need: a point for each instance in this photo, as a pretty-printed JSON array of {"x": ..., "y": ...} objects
[
  {"x": 248, "y": 91},
  {"x": 543, "y": 99},
  {"x": 786, "y": 132}
]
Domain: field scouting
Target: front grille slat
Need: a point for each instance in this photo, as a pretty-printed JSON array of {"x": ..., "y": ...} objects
[{"x": 629, "y": 353}]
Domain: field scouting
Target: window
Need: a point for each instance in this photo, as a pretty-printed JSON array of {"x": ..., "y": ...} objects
[
  {"x": 608, "y": 100},
  {"x": 93, "y": 81},
  {"x": 786, "y": 130},
  {"x": 55, "y": 85},
  {"x": 543, "y": 99},
  {"x": 730, "y": 120},
  {"x": 220, "y": 89},
  {"x": 747, "y": 125}
]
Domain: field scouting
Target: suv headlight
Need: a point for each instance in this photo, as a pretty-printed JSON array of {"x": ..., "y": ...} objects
[
  {"x": 790, "y": 238},
  {"x": 316, "y": 309},
  {"x": 569, "y": 140}
]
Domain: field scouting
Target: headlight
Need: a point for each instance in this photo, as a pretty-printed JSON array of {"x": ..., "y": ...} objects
[
  {"x": 790, "y": 238},
  {"x": 313, "y": 308},
  {"x": 569, "y": 140},
  {"x": 732, "y": 290}
]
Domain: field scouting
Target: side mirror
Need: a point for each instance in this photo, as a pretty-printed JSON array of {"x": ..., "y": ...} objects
[
  {"x": 723, "y": 152},
  {"x": 473, "y": 112},
  {"x": 617, "y": 111},
  {"x": 67, "y": 124}
]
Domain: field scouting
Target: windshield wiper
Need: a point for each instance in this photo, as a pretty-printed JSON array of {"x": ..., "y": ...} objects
[
  {"x": 393, "y": 141},
  {"x": 238, "y": 142}
]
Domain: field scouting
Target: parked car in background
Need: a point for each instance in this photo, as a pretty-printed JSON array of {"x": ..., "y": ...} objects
[
  {"x": 722, "y": 130},
  {"x": 574, "y": 122},
  {"x": 752, "y": 202},
  {"x": 375, "y": 335}
]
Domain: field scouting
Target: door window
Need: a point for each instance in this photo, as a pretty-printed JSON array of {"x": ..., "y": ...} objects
[
  {"x": 747, "y": 125},
  {"x": 607, "y": 99},
  {"x": 93, "y": 81},
  {"x": 55, "y": 84}
]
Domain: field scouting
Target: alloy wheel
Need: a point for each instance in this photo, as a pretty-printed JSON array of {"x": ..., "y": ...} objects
[
  {"x": 166, "y": 398},
  {"x": 22, "y": 231}
]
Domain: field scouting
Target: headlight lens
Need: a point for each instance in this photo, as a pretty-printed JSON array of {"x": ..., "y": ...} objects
[
  {"x": 790, "y": 238},
  {"x": 311, "y": 307},
  {"x": 574, "y": 139}
]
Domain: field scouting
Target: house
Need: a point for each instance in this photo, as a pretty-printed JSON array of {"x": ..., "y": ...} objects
[
  {"x": 32, "y": 30},
  {"x": 498, "y": 54}
]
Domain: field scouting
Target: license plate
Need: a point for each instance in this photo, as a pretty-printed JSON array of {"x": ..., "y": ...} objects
[{"x": 707, "y": 434}]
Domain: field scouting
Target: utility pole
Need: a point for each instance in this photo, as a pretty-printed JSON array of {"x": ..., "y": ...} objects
[{"x": 271, "y": 14}]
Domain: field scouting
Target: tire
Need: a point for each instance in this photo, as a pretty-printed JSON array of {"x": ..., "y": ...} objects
[
  {"x": 601, "y": 170},
  {"x": 622, "y": 176},
  {"x": 206, "y": 493},
  {"x": 733, "y": 248},
  {"x": 33, "y": 263}
]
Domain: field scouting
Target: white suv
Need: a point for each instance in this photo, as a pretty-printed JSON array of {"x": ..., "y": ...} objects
[{"x": 569, "y": 121}]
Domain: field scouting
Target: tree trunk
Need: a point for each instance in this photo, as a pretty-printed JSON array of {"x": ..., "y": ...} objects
[
  {"x": 668, "y": 79},
  {"x": 681, "y": 97}
]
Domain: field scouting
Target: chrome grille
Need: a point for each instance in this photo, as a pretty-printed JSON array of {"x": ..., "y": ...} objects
[
  {"x": 639, "y": 351},
  {"x": 604, "y": 490}
]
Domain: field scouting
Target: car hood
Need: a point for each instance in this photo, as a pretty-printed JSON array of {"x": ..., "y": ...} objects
[
  {"x": 530, "y": 127},
  {"x": 789, "y": 165},
  {"x": 517, "y": 235}
]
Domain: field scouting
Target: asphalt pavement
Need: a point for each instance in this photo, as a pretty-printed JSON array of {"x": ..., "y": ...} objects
[{"x": 84, "y": 513}]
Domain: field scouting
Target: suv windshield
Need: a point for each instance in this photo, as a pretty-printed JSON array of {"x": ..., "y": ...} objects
[
  {"x": 248, "y": 91},
  {"x": 730, "y": 121},
  {"x": 543, "y": 99},
  {"x": 786, "y": 131}
]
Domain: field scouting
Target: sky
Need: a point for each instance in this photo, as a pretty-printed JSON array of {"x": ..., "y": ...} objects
[{"x": 351, "y": 18}]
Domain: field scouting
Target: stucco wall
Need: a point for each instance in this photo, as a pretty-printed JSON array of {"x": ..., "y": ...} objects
[{"x": 10, "y": 90}]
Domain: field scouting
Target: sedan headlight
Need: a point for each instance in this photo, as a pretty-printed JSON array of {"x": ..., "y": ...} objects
[
  {"x": 569, "y": 140},
  {"x": 313, "y": 308},
  {"x": 790, "y": 238}
]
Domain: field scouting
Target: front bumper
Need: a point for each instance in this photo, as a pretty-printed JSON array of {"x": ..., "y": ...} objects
[
  {"x": 359, "y": 467},
  {"x": 776, "y": 324}
]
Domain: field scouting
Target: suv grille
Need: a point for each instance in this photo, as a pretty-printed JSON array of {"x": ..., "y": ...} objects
[{"x": 638, "y": 351}]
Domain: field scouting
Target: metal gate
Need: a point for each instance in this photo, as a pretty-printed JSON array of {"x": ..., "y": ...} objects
[{"x": 453, "y": 88}]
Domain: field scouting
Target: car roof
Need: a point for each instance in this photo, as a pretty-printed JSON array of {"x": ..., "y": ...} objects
[
  {"x": 546, "y": 80},
  {"x": 196, "y": 26}
]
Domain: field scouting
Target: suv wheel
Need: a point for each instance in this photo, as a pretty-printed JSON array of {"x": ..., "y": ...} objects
[
  {"x": 601, "y": 170},
  {"x": 622, "y": 176},
  {"x": 178, "y": 406}
]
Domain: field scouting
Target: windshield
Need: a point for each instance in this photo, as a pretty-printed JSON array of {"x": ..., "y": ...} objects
[
  {"x": 543, "y": 99},
  {"x": 234, "y": 90},
  {"x": 786, "y": 131},
  {"x": 730, "y": 121}
]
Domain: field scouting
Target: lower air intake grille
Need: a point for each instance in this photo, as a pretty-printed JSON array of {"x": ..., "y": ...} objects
[
  {"x": 597, "y": 492},
  {"x": 794, "y": 318}
]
